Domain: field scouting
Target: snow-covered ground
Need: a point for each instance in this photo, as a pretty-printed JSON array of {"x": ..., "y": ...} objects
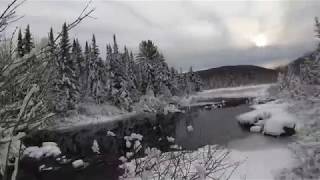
[
  {"x": 241, "y": 91},
  {"x": 89, "y": 113},
  {"x": 261, "y": 157},
  {"x": 253, "y": 91}
]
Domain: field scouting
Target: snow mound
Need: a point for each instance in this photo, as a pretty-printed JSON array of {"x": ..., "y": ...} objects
[
  {"x": 48, "y": 149},
  {"x": 272, "y": 117}
]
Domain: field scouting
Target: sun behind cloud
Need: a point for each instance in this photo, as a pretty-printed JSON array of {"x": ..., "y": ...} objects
[{"x": 260, "y": 40}]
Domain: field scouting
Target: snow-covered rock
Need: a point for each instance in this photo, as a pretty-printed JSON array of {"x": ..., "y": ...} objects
[
  {"x": 171, "y": 108},
  {"x": 129, "y": 154},
  {"x": 49, "y": 144},
  {"x": 255, "y": 129},
  {"x": 133, "y": 136},
  {"x": 175, "y": 146},
  {"x": 190, "y": 128},
  {"x": 273, "y": 117},
  {"x": 48, "y": 149},
  {"x": 110, "y": 133},
  {"x": 123, "y": 159},
  {"x": 44, "y": 168},
  {"x": 170, "y": 139},
  {"x": 78, "y": 163},
  {"x": 128, "y": 144},
  {"x": 95, "y": 147}
]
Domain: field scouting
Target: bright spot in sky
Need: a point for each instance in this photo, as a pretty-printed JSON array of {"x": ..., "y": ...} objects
[{"x": 260, "y": 40}]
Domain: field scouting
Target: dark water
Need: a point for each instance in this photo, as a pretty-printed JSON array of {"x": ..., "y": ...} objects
[{"x": 214, "y": 126}]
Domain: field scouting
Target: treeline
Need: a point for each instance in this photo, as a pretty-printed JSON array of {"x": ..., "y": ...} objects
[{"x": 75, "y": 75}]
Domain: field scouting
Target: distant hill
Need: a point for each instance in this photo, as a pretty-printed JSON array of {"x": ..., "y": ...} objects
[{"x": 230, "y": 76}]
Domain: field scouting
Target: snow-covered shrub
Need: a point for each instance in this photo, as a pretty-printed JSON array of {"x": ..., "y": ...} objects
[
  {"x": 149, "y": 103},
  {"x": 206, "y": 162}
]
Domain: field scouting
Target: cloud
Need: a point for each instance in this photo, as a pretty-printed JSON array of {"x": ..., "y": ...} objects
[{"x": 189, "y": 33}]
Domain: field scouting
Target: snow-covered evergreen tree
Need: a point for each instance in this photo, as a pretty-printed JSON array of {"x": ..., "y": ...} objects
[
  {"x": 86, "y": 90},
  {"x": 119, "y": 94},
  {"x": 80, "y": 66},
  {"x": 28, "y": 44},
  {"x": 155, "y": 72},
  {"x": 93, "y": 67},
  {"x": 68, "y": 90},
  {"x": 20, "y": 51},
  {"x": 52, "y": 73},
  {"x": 174, "y": 82}
]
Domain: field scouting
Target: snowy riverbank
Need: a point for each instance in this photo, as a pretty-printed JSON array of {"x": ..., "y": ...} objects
[{"x": 90, "y": 113}]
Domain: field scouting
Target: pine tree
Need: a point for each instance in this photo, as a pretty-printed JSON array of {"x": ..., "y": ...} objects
[
  {"x": 148, "y": 53},
  {"x": 155, "y": 72},
  {"x": 93, "y": 67},
  {"x": 85, "y": 91},
  {"x": 115, "y": 45},
  {"x": 27, "y": 41},
  {"x": 51, "y": 43},
  {"x": 80, "y": 66},
  {"x": 20, "y": 51},
  {"x": 52, "y": 73},
  {"x": 78, "y": 58},
  {"x": 174, "y": 84},
  {"x": 121, "y": 84},
  {"x": 67, "y": 84}
]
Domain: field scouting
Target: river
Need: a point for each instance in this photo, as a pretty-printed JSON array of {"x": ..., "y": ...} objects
[{"x": 208, "y": 126}]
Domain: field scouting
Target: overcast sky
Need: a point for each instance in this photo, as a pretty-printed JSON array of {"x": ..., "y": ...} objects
[{"x": 201, "y": 34}]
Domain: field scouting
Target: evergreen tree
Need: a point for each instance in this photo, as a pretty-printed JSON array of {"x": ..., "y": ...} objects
[
  {"x": 93, "y": 67},
  {"x": 115, "y": 45},
  {"x": 174, "y": 83},
  {"x": 78, "y": 58},
  {"x": 27, "y": 41},
  {"x": 155, "y": 74},
  {"x": 67, "y": 85},
  {"x": 52, "y": 73},
  {"x": 20, "y": 50},
  {"x": 80, "y": 66},
  {"x": 86, "y": 70},
  {"x": 121, "y": 84},
  {"x": 51, "y": 43}
]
